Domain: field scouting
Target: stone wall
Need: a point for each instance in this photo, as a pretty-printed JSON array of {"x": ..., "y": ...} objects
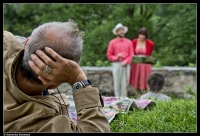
[{"x": 177, "y": 80}]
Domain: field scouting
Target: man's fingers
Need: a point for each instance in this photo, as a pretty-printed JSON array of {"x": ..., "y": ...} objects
[
  {"x": 45, "y": 58},
  {"x": 37, "y": 70},
  {"x": 34, "y": 67},
  {"x": 37, "y": 61},
  {"x": 53, "y": 54}
]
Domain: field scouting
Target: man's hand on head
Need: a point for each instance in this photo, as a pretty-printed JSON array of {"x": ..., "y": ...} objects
[{"x": 62, "y": 70}]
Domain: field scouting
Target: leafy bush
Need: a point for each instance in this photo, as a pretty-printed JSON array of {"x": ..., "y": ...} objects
[{"x": 178, "y": 115}]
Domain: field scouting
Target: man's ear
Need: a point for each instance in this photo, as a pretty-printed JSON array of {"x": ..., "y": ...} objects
[{"x": 26, "y": 42}]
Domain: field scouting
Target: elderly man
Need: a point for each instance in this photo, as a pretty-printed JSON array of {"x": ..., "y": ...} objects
[{"x": 49, "y": 58}]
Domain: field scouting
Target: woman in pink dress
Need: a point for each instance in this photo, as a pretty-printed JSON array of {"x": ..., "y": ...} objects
[{"x": 142, "y": 47}]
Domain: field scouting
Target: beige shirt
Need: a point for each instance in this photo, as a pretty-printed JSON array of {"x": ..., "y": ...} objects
[{"x": 23, "y": 113}]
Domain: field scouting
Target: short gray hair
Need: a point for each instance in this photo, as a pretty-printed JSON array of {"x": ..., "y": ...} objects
[{"x": 65, "y": 38}]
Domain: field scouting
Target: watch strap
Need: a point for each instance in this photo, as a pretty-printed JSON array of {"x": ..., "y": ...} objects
[{"x": 85, "y": 82}]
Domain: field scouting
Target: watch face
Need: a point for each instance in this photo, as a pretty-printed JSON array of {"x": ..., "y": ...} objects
[{"x": 77, "y": 86}]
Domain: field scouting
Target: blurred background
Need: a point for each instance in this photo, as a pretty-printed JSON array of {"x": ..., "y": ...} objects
[{"x": 172, "y": 27}]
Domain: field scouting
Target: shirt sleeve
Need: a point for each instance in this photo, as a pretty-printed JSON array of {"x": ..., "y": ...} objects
[
  {"x": 90, "y": 114},
  {"x": 110, "y": 52},
  {"x": 151, "y": 46}
]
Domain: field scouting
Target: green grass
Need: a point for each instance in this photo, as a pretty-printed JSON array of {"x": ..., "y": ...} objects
[{"x": 177, "y": 115}]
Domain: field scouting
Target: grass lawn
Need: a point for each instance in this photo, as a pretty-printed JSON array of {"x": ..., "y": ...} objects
[{"x": 177, "y": 116}]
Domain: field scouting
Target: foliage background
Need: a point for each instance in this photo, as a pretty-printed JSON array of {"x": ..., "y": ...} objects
[{"x": 171, "y": 26}]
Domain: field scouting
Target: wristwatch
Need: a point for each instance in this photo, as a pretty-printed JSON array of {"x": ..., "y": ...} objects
[{"x": 81, "y": 84}]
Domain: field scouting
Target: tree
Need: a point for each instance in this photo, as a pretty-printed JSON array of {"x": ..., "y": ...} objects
[{"x": 171, "y": 26}]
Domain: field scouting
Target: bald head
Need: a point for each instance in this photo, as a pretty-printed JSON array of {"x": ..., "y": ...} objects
[{"x": 65, "y": 38}]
